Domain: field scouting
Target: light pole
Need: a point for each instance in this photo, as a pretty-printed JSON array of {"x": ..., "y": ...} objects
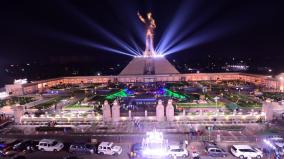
[{"x": 216, "y": 100}]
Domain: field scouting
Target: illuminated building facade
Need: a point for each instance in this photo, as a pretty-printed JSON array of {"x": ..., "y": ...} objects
[{"x": 40, "y": 86}]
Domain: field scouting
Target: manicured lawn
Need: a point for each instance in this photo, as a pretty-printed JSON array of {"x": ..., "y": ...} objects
[
  {"x": 241, "y": 100},
  {"x": 273, "y": 95},
  {"x": 48, "y": 103},
  {"x": 15, "y": 100},
  {"x": 78, "y": 107},
  {"x": 191, "y": 105}
]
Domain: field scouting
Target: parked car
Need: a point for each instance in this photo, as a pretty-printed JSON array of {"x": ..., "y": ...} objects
[
  {"x": 244, "y": 151},
  {"x": 26, "y": 145},
  {"x": 177, "y": 151},
  {"x": 216, "y": 152},
  {"x": 136, "y": 149},
  {"x": 8, "y": 143},
  {"x": 6, "y": 146},
  {"x": 82, "y": 148},
  {"x": 108, "y": 148},
  {"x": 50, "y": 145}
]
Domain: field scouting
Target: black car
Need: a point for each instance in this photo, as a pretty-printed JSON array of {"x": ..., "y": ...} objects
[
  {"x": 26, "y": 145},
  {"x": 82, "y": 148},
  {"x": 6, "y": 146}
]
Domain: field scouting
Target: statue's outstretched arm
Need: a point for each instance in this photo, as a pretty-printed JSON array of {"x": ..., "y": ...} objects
[
  {"x": 141, "y": 18},
  {"x": 153, "y": 23}
]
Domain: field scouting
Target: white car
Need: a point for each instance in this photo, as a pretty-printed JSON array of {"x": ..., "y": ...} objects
[
  {"x": 245, "y": 151},
  {"x": 108, "y": 148},
  {"x": 50, "y": 145},
  {"x": 177, "y": 151}
]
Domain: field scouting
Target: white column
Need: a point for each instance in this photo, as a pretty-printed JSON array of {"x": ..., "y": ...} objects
[
  {"x": 170, "y": 112},
  {"x": 106, "y": 111},
  {"x": 160, "y": 111},
  {"x": 115, "y": 111}
]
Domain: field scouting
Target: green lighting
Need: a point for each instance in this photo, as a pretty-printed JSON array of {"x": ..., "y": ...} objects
[
  {"x": 121, "y": 93},
  {"x": 173, "y": 94}
]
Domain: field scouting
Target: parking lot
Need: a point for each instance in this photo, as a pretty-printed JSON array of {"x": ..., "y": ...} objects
[{"x": 193, "y": 146}]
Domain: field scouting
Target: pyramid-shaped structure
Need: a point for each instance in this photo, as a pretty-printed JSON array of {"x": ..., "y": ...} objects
[{"x": 149, "y": 66}]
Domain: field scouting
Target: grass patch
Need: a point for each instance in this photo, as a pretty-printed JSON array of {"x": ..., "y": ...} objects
[
  {"x": 48, "y": 104},
  {"x": 16, "y": 100},
  {"x": 78, "y": 107},
  {"x": 191, "y": 105}
]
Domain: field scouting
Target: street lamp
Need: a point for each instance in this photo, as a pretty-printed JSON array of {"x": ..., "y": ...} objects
[{"x": 216, "y": 100}]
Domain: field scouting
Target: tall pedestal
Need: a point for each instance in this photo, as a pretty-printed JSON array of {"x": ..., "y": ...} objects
[
  {"x": 267, "y": 108},
  {"x": 160, "y": 111},
  {"x": 115, "y": 111},
  {"x": 18, "y": 113},
  {"x": 170, "y": 112},
  {"x": 106, "y": 111}
]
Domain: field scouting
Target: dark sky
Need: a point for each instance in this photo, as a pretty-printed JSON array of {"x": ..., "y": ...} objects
[{"x": 42, "y": 29}]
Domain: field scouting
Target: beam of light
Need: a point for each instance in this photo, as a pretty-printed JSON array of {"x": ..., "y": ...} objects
[
  {"x": 178, "y": 21},
  {"x": 110, "y": 36},
  {"x": 198, "y": 39},
  {"x": 85, "y": 42},
  {"x": 138, "y": 49},
  {"x": 103, "y": 32},
  {"x": 196, "y": 23},
  {"x": 211, "y": 32},
  {"x": 98, "y": 46},
  {"x": 223, "y": 26},
  {"x": 130, "y": 10}
]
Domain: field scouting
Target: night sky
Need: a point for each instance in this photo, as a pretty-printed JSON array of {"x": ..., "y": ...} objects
[{"x": 42, "y": 30}]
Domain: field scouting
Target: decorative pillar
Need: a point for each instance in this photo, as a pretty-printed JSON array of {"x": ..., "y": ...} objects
[
  {"x": 170, "y": 111},
  {"x": 267, "y": 108},
  {"x": 183, "y": 113},
  {"x": 106, "y": 111},
  {"x": 115, "y": 111},
  {"x": 129, "y": 114},
  {"x": 160, "y": 111},
  {"x": 18, "y": 113}
]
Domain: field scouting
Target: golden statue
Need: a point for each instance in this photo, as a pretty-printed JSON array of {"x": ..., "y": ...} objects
[{"x": 150, "y": 26}]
